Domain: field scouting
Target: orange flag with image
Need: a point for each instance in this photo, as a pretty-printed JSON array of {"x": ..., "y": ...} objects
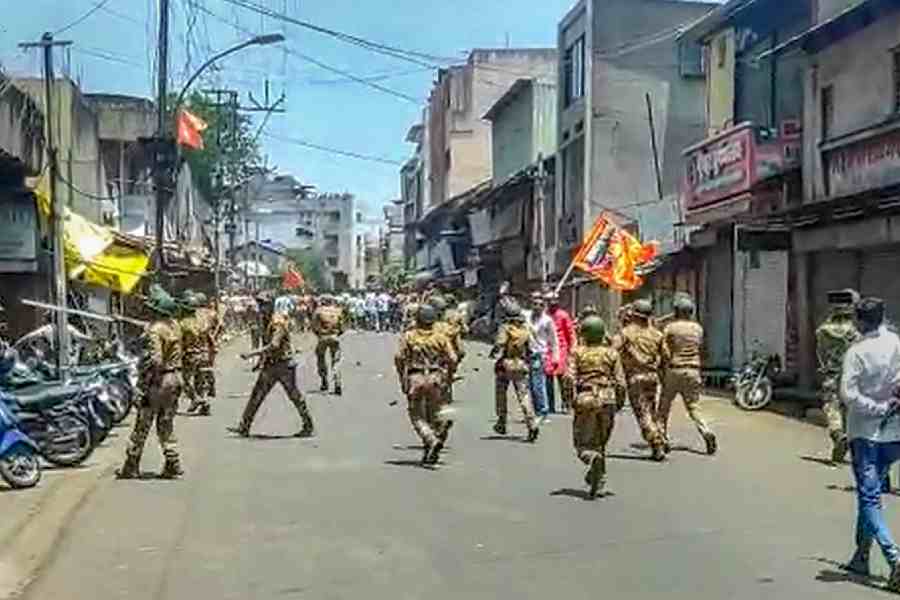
[
  {"x": 615, "y": 257},
  {"x": 190, "y": 129}
]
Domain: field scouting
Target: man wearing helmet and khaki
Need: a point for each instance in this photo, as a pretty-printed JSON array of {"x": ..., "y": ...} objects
[
  {"x": 423, "y": 359},
  {"x": 329, "y": 322},
  {"x": 640, "y": 346},
  {"x": 598, "y": 379},
  {"x": 682, "y": 351},
  {"x": 512, "y": 349}
]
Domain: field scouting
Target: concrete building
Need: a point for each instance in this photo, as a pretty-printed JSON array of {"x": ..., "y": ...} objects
[
  {"x": 744, "y": 168},
  {"x": 612, "y": 55},
  {"x": 394, "y": 233},
  {"x": 845, "y": 231},
  {"x": 459, "y": 140},
  {"x": 415, "y": 192},
  {"x": 77, "y": 138},
  {"x": 506, "y": 224}
]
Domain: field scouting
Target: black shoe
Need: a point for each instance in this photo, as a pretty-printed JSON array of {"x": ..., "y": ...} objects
[
  {"x": 500, "y": 428},
  {"x": 712, "y": 445},
  {"x": 593, "y": 476},
  {"x": 205, "y": 410},
  {"x": 659, "y": 453},
  {"x": 323, "y": 387},
  {"x": 237, "y": 429},
  {"x": 435, "y": 453},
  {"x": 308, "y": 431},
  {"x": 839, "y": 451},
  {"x": 533, "y": 434},
  {"x": 129, "y": 470},
  {"x": 426, "y": 453},
  {"x": 172, "y": 470},
  {"x": 337, "y": 390},
  {"x": 858, "y": 565}
]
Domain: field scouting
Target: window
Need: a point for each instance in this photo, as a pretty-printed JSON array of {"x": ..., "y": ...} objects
[
  {"x": 896, "y": 64},
  {"x": 690, "y": 59},
  {"x": 447, "y": 159},
  {"x": 573, "y": 71},
  {"x": 827, "y": 111}
]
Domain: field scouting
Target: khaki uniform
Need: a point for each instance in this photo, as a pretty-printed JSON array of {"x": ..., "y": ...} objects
[
  {"x": 640, "y": 346},
  {"x": 160, "y": 381},
  {"x": 422, "y": 361},
  {"x": 599, "y": 382},
  {"x": 512, "y": 368},
  {"x": 328, "y": 323},
  {"x": 682, "y": 349},
  {"x": 833, "y": 338},
  {"x": 199, "y": 338},
  {"x": 410, "y": 310},
  {"x": 277, "y": 366},
  {"x": 453, "y": 328}
]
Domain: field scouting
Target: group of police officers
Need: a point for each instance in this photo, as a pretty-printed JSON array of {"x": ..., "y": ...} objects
[{"x": 643, "y": 364}]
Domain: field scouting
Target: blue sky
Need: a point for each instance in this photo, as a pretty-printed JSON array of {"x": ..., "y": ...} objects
[{"x": 114, "y": 53}]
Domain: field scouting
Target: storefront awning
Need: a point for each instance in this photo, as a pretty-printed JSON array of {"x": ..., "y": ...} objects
[{"x": 93, "y": 254}]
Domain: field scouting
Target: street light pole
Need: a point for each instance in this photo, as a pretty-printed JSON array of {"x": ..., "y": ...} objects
[{"x": 164, "y": 136}]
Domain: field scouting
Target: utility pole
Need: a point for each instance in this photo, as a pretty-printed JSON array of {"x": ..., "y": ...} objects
[
  {"x": 542, "y": 231},
  {"x": 160, "y": 167},
  {"x": 57, "y": 206}
]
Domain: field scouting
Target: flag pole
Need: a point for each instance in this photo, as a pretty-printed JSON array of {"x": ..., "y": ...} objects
[{"x": 565, "y": 277}]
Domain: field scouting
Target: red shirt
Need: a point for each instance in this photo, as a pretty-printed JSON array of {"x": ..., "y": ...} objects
[{"x": 565, "y": 332}]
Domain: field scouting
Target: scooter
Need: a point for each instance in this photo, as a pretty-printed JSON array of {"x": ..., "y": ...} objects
[{"x": 20, "y": 465}]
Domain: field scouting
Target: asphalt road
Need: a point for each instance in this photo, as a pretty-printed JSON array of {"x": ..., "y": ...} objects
[{"x": 350, "y": 514}]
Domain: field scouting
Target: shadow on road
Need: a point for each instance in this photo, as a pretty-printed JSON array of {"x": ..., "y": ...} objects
[
  {"x": 620, "y": 456},
  {"x": 818, "y": 459},
  {"x": 837, "y": 574},
  {"x": 409, "y": 463},
  {"x": 840, "y": 488},
  {"x": 506, "y": 438},
  {"x": 580, "y": 494}
]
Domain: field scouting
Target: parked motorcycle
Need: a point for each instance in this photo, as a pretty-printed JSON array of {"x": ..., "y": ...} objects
[
  {"x": 754, "y": 383},
  {"x": 20, "y": 465}
]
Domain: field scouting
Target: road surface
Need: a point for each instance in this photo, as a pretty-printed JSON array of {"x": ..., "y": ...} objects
[{"x": 350, "y": 514}]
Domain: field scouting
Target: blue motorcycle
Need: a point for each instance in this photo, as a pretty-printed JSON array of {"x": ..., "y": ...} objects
[{"x": 20, "y": 466}]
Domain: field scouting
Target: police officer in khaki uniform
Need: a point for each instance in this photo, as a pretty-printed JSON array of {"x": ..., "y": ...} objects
[
  {"x": 511, "y": 348},
  {"x": 277, "y": 366},
  {"x": 682, "y": 351},
  {"x": 329, "y": 322},
  {"x": 160, "y": 383},
  {"x": 640, "y": 346},
  {"x": 423, "y": 358},
  {"x": 598, "y": 379},
  {"x": 833, "y": 338},
  {"x": 199, "y": 339}
]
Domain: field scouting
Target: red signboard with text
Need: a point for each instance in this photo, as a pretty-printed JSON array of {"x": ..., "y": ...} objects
[{"x": 726, "y": 166}]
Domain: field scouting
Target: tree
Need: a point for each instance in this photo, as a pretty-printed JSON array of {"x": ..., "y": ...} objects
[
  {"x": 311, "y": 265},
  {"x": 395, "y": 276},
  {"x": 236, "y": 150}
]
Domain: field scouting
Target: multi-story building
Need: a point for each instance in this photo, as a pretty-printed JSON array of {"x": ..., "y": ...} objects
[
  {"x": 744, "y": 168},
  {"x": 394, "y": 232},
  {"x": 844, "y": 227},
  {"x": 619, "y": 64}
]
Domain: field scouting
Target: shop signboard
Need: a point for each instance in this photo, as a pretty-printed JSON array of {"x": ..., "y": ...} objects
[
  {"x": 727, "y": 166},
  {"x": 866, "y": 165},
  {"x": 18, "y": 234}
]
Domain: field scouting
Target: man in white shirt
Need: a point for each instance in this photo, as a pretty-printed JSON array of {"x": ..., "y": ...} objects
[
  {"x": 869, "y": 389},
  {"x": 544, "y": 346}
]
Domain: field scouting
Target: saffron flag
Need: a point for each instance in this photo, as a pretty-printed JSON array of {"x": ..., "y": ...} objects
[
  {"x": 190, "y": 129},
  {"x": 292, "y": 280},
  {"x": 615, "y": 257}
]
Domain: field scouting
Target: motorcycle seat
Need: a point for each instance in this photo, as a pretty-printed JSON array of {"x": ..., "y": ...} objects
[{"x": 44, "y": 395}]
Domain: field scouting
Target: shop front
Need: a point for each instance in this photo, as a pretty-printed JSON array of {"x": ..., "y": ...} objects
[{"x": 732, "y": 181}]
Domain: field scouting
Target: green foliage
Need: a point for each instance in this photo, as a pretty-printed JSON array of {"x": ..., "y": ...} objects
[
  {"x": 234, "y": 149},
  {"x": 394, "y": 276},
  {"x": 311, "y": 265}
]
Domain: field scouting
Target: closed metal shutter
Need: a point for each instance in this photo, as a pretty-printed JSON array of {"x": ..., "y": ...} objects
[
  {"x": 760, "y": 303},
  {"x": 881, "y": 278},
  {"x": 717, "y": 303}
]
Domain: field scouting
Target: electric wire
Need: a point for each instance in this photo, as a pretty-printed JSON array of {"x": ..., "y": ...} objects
[{"x": 82, "y": 18}]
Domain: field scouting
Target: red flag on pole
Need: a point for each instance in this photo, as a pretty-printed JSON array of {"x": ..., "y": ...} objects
[
  {"x": 190, "y": 128},
  {"x": 615, "y": 257}
]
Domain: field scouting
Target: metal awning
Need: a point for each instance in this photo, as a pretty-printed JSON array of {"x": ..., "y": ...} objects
[{"x": 835, "y": 29}]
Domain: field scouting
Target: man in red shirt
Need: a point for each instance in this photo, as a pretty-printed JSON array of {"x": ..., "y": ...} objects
[{"x": 565, "y": 333}]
